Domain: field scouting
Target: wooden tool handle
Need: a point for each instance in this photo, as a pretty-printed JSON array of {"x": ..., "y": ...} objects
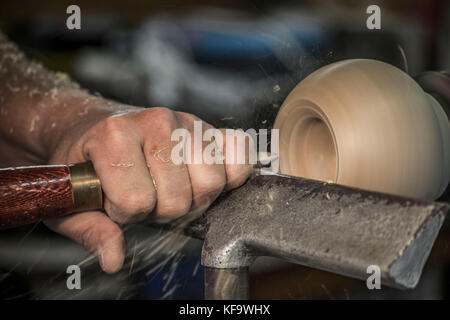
[{"x": 31, "y": 194}]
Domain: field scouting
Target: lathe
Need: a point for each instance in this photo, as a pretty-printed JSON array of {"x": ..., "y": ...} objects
[{"x": 364, "y": 155}]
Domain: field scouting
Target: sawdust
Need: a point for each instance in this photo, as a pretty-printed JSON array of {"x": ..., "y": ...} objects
[
  {"x": 33, "y": 123},
  {"x": 84, "y": 112},
  {"x": 54, "y": 93},
  {"x": 12, "y": 88},
  {"x": 33, "y": 92}
]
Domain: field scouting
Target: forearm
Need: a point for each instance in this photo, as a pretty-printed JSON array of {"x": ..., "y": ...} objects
[{"x": 38, "y": 107}]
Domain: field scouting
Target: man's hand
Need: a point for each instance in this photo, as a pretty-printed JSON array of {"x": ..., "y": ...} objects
[
  {"x": 131, "y": 154},
  {"x": 46, "y": 118}
]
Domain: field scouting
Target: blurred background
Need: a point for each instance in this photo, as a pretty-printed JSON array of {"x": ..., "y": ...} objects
[{"x": 231, "y": 63}]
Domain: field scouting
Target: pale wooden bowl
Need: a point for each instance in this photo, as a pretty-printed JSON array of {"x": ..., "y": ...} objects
[{"x": 367, "y": 124}]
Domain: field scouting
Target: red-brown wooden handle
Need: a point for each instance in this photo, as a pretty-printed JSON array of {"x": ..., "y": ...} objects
[{"x": 31, "y": 194}]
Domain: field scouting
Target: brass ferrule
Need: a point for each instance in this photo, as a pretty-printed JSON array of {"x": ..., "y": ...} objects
[{"x": 86, "y": 187}]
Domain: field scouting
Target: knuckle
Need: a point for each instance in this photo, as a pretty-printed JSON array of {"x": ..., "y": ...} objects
[
  {"x": 114, "y": 129},
  {"x": 132, "y": 205},
  {"x": 115, "y": 123},
  {"x": 162, "y": 122},
  {"x": 174, "y": 207},
  {"x": 186, "y": 117},
  {"x": 161, "y": 115},
  {"x": 237, "y": 174},
  {"x": 211, "y": 186}
]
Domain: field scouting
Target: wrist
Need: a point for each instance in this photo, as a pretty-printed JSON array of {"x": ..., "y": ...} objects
[{"x": 73, "y": 113}]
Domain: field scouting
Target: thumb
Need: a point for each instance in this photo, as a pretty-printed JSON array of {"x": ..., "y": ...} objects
[{"x": 96, "y": 233}]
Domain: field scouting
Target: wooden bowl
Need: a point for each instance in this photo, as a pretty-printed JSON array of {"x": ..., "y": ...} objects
[{"x": 367, "y": 124}]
